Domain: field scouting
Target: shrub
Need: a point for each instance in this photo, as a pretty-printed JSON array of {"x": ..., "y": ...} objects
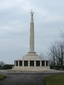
[
  {"x": 7, "y": 66},
  {"x": 57, "y": 67}
]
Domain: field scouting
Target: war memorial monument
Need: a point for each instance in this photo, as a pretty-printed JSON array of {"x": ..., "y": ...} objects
[{"x": 31, "y": 61}]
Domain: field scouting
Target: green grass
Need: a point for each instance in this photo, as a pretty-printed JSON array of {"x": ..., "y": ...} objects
[
  {"x": 54, "y": 79},
  {"x": 2, "y": 76}
]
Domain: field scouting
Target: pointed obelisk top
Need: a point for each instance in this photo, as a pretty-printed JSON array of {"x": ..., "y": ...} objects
[{"x": 31, "y": 12}]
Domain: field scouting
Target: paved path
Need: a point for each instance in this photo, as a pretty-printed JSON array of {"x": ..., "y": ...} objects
[{"x": 24, "y": 78}]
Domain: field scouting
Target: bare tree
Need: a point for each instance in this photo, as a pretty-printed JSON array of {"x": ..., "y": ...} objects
[
  {"x": 62, "y": 34},
  {"x": 62, "y": 52},
  {"x": 56, "y": 53},
  {"x": 2, "y": 63}
]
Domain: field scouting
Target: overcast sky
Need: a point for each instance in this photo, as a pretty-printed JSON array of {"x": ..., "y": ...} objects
[{"x": 15, "y": 26}]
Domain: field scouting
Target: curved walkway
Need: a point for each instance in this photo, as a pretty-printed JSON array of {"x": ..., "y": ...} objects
[{"x": 24, "y": 78}]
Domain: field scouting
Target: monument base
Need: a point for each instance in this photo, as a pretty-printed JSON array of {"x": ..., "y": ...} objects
[
  {"x": 31, "y": 69},
  {"x": 31, "y": 64},
  {"x": 31, "y": 56}
]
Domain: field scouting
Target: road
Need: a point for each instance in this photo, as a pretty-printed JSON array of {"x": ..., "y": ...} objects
[{"x": 24, "y": 78}]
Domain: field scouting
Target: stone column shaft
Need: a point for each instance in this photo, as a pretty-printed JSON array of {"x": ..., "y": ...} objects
[
  {"x": 22, "y": 63},
  {"x": 31, "y": 34},
  {"x": 18, "y": 63},
  {"x": 40, "y": 63},
  {"x": 45, "y": 63},
  {"x": 28, "y": 63},
  {"x": 34, "y": 63}
]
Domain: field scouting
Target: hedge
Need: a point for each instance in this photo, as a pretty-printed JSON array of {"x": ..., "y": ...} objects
[
  {"x": 7, "y": 66},
  {"x": 57, "y": 67}
]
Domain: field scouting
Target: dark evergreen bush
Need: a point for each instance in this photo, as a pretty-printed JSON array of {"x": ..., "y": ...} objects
[
  {"x": 57, "y": 67},
  {"x": 7, "y": 66}
]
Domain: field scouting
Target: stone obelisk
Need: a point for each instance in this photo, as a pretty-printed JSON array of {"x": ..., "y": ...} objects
[
  {"x": 32, "y": 33},
  {"x": 31, "y": 62}
]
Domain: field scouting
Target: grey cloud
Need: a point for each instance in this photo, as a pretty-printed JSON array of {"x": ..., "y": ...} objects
[{"x": 15, "y": 26}]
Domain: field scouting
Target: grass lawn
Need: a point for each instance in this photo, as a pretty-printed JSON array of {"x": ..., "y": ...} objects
[
  {"x": 2, "y": 76},
  {"x": 54, "y": 79}
]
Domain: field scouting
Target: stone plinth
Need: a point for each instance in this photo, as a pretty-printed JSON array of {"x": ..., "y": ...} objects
[
  {"x": 31, "y": 65},
  {"x": 31, "y": 69},
  {"x": 31, "y": 55}
]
